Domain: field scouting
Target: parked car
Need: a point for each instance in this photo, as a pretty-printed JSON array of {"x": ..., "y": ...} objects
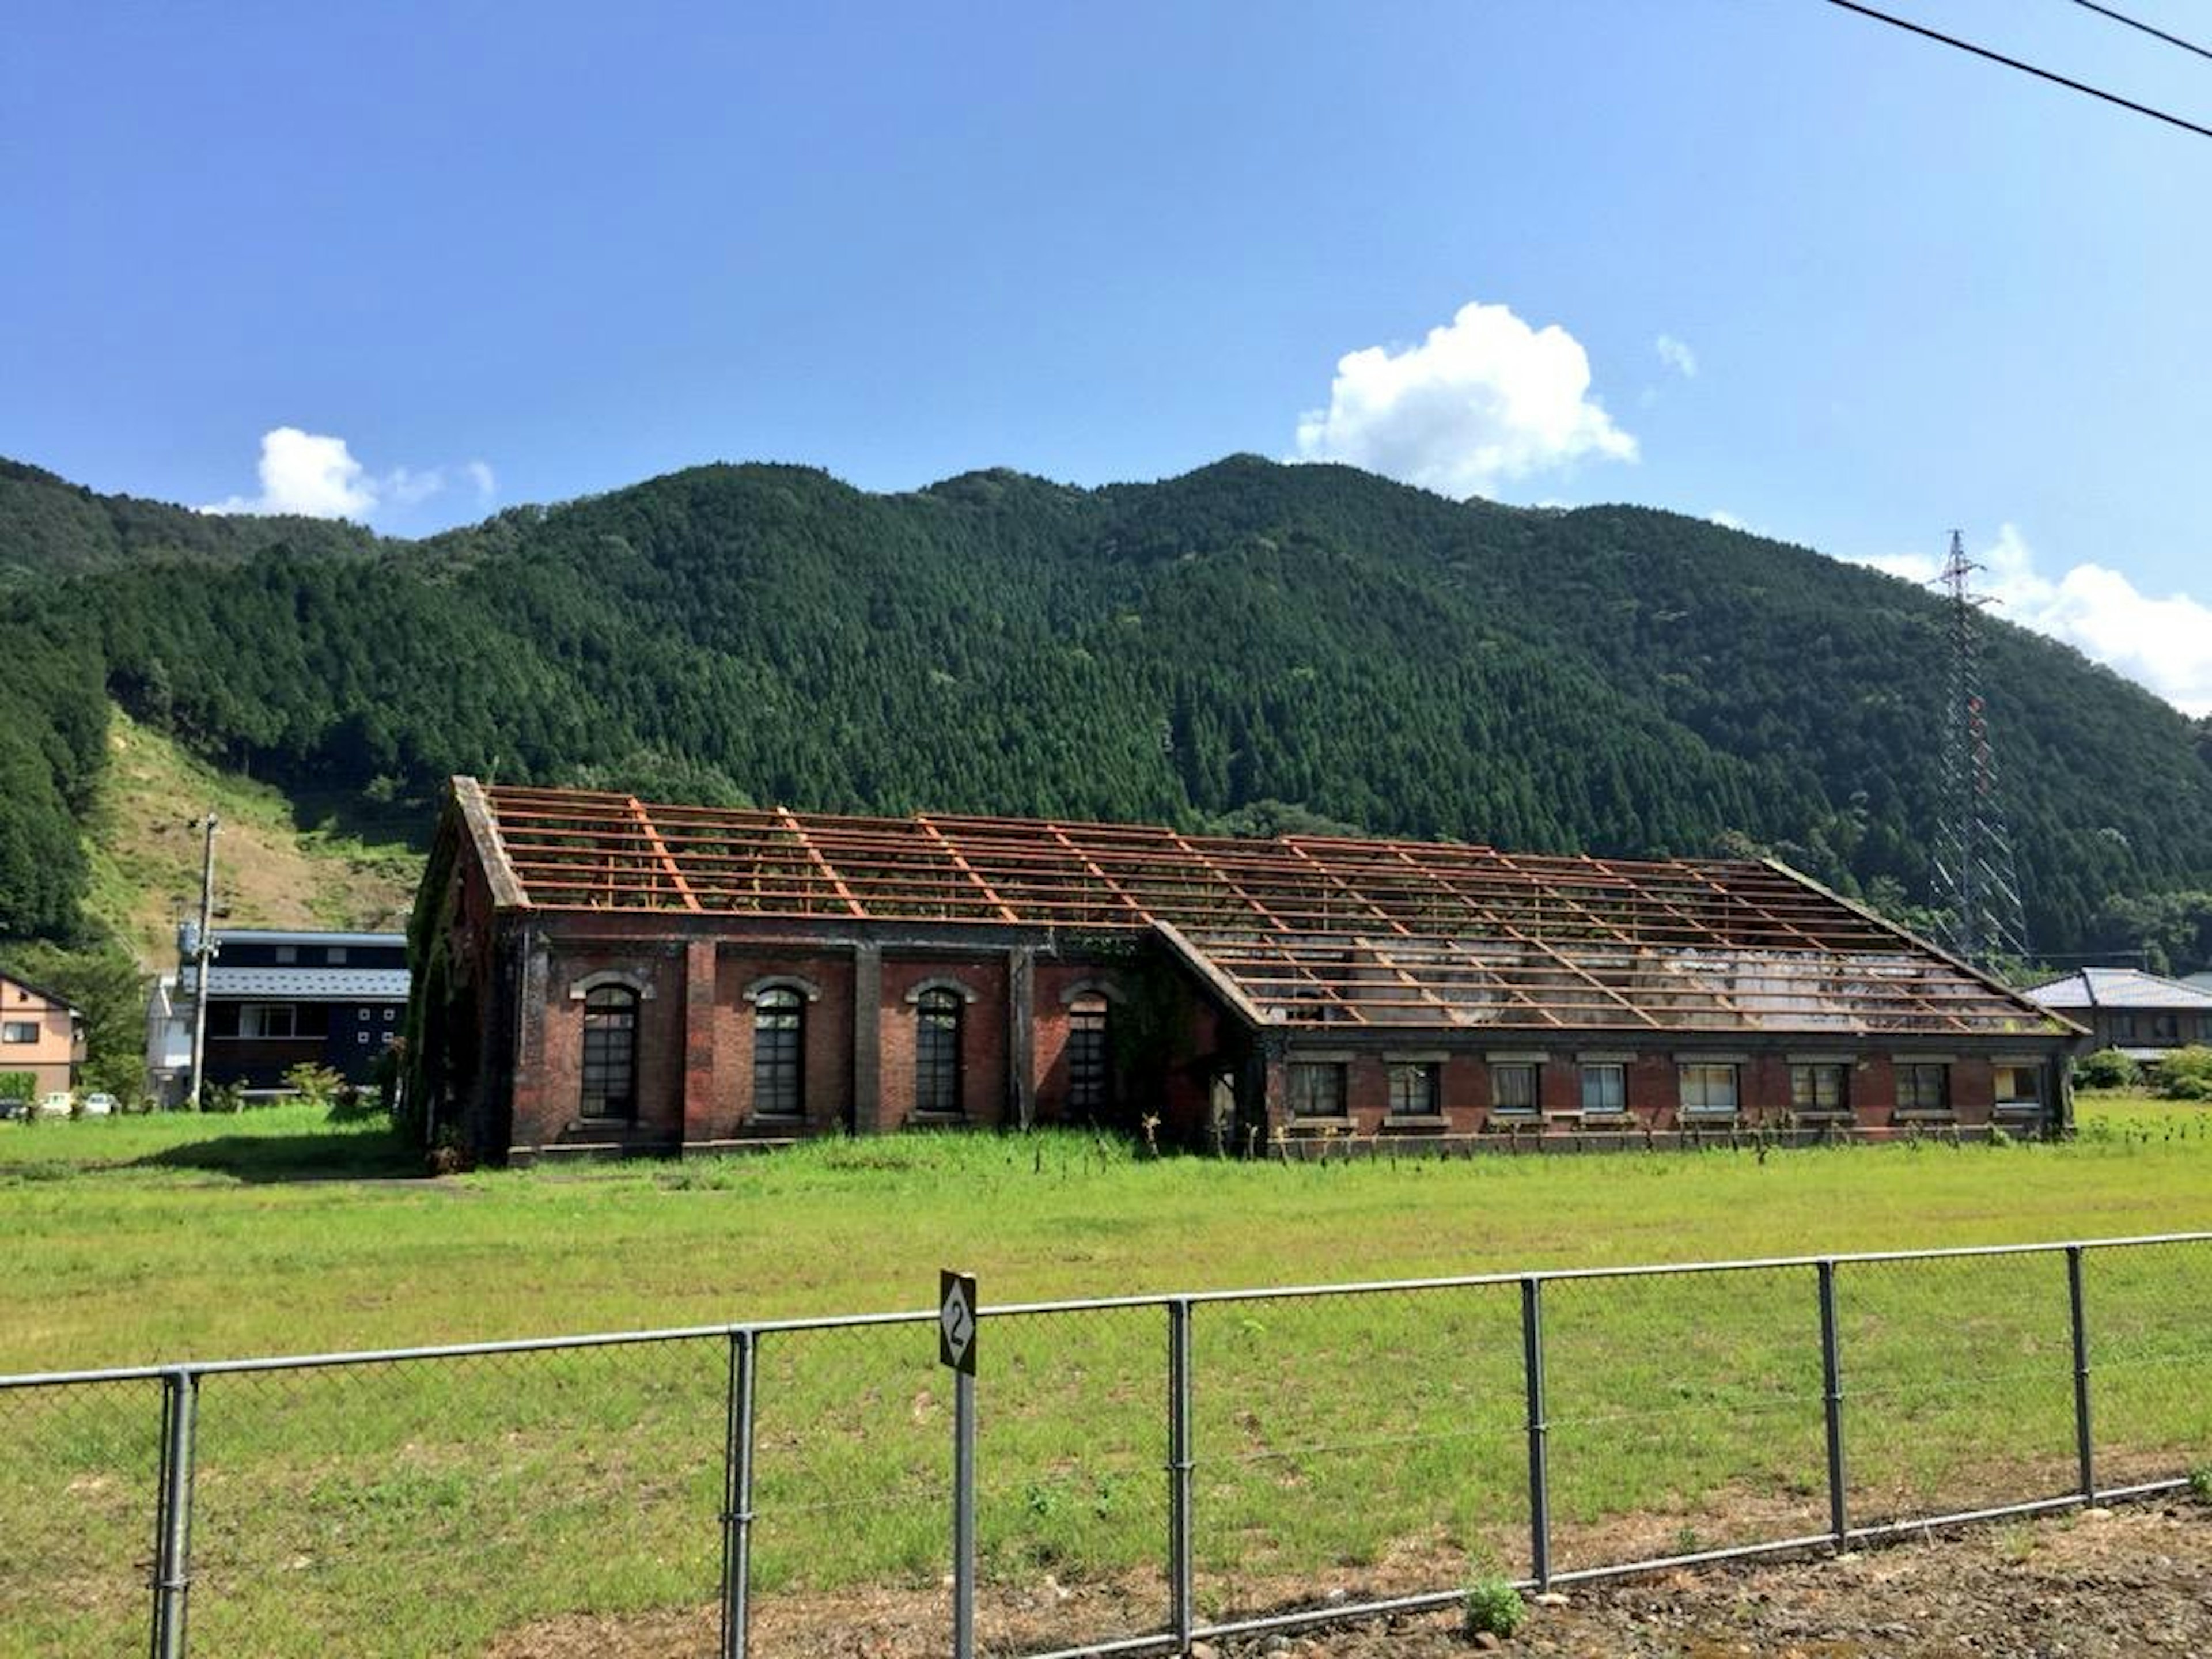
[
  {"x": 12, "y": 1108},
  {"x": 60, "y": 1104},
  {"x": 99, "y": 1104}
]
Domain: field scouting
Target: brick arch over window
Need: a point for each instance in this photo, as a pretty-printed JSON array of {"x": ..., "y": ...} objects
[
  {"x": 806, "y": 988},
  {"x": 1101, "y": 989},
  {"x": 940, "y": 982},
  {"x": 639, "y": 985}
]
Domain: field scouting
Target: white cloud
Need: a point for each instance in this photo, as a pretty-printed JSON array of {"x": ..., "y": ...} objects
[
  {"x": 1676, "y": 355},
  {"x": 1725, "y": 519},
  {"x": 316, "y": 476},
  {"x": 303, "y": 473},
  {"x": 2165, "y": 644},
  {"x": 1483, "y": 400}
]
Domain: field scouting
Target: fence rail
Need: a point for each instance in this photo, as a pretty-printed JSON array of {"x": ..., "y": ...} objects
[{"x": 1153, "y": 1470}]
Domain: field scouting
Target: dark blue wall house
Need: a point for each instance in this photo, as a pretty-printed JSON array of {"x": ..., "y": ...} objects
[{"x": 276, "y": 998}]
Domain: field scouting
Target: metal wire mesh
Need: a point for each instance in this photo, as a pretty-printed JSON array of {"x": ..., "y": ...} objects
[
  {"x": 1072, "y": 1477},
  {"x": 441, "y": 1506},
  {"x": 1958, "y": 1384},
  {"x": 852, "y": 1491},
  {"x": 1344, "y": 1447},
  {"x": 1358, "y": 1447},
  {"x": 2148, "y": 1312},
  {"x": 1687, "y": 1414},
  {"x": 78, "y": 1468}
]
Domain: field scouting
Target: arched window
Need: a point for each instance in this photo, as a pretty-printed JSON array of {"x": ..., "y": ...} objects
[
  {"x": 610, "y": 1052},
  {"x": 937, "y": 1052},
  {"x": 1089, "y": 1072},
  {"x": 779, "y": 1051}
]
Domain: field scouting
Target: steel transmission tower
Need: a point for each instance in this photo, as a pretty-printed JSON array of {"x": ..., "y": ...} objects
[{"x": 1976, "y": 887}]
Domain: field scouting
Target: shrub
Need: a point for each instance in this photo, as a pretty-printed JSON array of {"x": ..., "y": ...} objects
[
  {"x": 19, "y": 1085},
  {"x": 1493, "y": 1605},
  {"x": 318, "y": 1085},
  {"x": 2186, "y": 1074},
  {"x": 2108, "y": 1068}
]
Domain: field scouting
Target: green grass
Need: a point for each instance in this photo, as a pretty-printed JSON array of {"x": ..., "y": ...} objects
[{"x": 1686, "y": 1411}]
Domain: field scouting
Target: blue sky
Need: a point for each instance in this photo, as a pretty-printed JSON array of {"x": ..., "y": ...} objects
[{"x": 1757, "y": 259}]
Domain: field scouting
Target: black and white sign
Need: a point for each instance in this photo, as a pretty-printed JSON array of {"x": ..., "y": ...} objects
[{"x": 956, "y": 1321}]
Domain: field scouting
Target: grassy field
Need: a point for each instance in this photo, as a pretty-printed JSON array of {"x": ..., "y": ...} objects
[
  {"x": 1333, "y": 1436},
  {"x": 172, "y": 1237}
]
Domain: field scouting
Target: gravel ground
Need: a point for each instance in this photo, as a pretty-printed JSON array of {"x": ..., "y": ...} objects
[{"x": 2096, "y": 1584}]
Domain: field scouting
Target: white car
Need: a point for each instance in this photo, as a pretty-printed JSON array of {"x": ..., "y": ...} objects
[
  {"x": 59, "y": 1104},
  {"x": 99, "y": 1104}
]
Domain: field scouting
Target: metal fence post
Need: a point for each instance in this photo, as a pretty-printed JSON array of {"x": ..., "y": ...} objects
[
  {"x": 1832, "y": 1388},
  {"x": 2083, "y": 1445},
  {"x": 1540, "y": 1485},
  {"x": 1179, "y": 1471},
  {"x": 738, "y": 1496},
  {"x": 172, "y": 1525}
]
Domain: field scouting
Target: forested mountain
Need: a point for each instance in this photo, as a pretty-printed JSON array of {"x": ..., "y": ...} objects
[{"x": 1244, "y": 640}]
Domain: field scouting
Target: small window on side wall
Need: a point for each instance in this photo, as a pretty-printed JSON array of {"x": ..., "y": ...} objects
[
  {"x": 610, "y": 1071},
  {"x": 1413, "y": 1091},
  {"x": 1316, "y": 1089},
  {"x": 1513, "y": 1089},
  {"x": 1924, "y": 1087},
  {"x": 1604, "y": 1089},
  {"x": 1819, "y": 1089},
  {"x": 2018, "y": 1086},
  {"x": 1708, "y": 1091}
]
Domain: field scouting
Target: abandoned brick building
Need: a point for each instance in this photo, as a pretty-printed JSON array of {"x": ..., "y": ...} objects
[{"x": 596, "y": 973}]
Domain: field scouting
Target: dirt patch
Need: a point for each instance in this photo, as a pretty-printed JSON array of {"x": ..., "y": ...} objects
[{"x": 2095, "y": 1585}]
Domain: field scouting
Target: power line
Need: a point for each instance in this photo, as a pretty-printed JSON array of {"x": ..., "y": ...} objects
[
  {"x": 2133, "y": 23},
  {"x": 2027, "y": 69}
]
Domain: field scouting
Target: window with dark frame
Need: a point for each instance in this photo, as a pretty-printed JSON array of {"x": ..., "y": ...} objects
[
  {"x": 1513, "y": 1088},
  {"x": 779, "y": 1053},
  {"x": 1317, "y": 1087},
  {"x": 268, "y": 1019},
  {"x": 937, "y": 1053},
  {"x": 610, "y": 1053},
  {"x": 1820, "y": 1087},
  {"x": 1707, "y": 1089},
  {"x": 1089, "y": 1078},
  {"x": 1924, "y": 1087},
  {"x": 1605, "y": 1088},
  {"x": 19, "y": 1030},
  {"x": 2019, "y": 1085},
  {"x": 1413, "y": 1091}
]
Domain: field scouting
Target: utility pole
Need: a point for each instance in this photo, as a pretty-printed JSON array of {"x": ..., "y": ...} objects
[{"x": 203, "y": 954}]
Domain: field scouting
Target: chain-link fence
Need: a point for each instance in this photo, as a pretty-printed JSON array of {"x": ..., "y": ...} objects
[{"x": 1149, "y": 1470}]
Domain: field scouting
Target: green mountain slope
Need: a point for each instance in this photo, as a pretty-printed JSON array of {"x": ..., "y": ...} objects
[{"x": 1612, "y": 679}]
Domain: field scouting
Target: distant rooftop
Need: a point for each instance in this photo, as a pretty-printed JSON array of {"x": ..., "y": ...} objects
[
  {"x": 1301, "y": 930},
  {"x": 2119, "y": 987},
  {"x": 308, "y": 936}
]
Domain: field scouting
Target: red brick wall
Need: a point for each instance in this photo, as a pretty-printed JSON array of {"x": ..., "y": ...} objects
[
  {"x": 1974, "y": 1089},
  {"x": 1130, "y": 1097},
  {"x": 550, "y": 1113},
  {"x": 826, "y": 1042},
  {"x": 983, "y": 1036}
]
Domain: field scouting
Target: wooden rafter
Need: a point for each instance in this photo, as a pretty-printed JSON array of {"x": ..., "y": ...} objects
[{"x": 661, "y": 852}]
